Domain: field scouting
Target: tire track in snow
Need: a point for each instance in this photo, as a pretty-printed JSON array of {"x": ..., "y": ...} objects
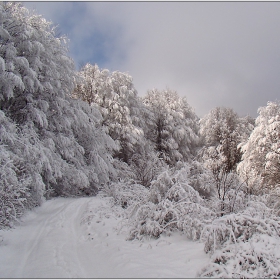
[
  {"x": 63, "y": 253},
  {"x": 68, "y": 238},
  {"x": 70, "y": 262},
  {"x": 32, "y": 244}
]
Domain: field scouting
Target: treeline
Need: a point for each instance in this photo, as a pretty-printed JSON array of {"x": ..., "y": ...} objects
[{"x": 69, "y": 133}]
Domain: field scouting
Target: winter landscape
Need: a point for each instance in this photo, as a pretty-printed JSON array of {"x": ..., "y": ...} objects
[{"x": 99, "y": 182}]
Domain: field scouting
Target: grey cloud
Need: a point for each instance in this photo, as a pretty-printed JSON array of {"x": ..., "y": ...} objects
[{"x": 214, "y": 53}]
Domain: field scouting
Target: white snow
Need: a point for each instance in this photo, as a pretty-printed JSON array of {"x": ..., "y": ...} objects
[{"x": 82, "y": 238}]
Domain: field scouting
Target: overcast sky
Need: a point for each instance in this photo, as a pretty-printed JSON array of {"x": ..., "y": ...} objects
[{"x": 214, "y": 53}]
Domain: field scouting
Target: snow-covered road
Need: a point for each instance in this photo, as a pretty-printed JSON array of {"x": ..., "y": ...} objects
[{"x": 77, "y": 238}]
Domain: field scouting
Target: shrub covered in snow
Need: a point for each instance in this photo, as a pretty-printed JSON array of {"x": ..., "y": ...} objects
[
  {"x": 146, "y": 165},
  {"x": 234, "y": 200},
  {"x": 172, "y": 205},
  {"x": 272, "y": 200},
  {"x": 125, "y": 193},
  {"x": 257, "y": 258},
  {"x": 243, "y": 245},
  {"x": 198, "y": 176}
]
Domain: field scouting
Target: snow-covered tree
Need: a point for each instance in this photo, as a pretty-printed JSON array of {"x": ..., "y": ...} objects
[
  {"x": 222, "y": 132},
  {"x": 14, "y": 183},
  {"x": 174, "y": 125},
  {"x": 146, "y": 166},
  {"x": 63, "y": 146},
  {"x": 116, "y": 98},
  {"x": 261, "y": 158}
]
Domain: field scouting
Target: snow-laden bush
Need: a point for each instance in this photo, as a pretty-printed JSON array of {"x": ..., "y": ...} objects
[
  {"x": 125, "y": 193},
  {"x": 235, "y": 200},
  {"x": 272, "y": 200},
  {"x": 172, "y": 205},
  {"x": 194, "y": 173},
  {"x": 243, "y": 245},
  {"x": 257, "y": 258},
  {"x": 198, "y": 176},
  {"x": 225, "y": 192},
  {"x": 146, "y": 165}
]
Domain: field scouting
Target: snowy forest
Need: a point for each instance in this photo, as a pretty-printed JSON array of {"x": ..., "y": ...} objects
[{"x": 69, "y": 133}]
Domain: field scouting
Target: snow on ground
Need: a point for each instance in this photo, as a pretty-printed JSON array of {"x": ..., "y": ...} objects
[{"x": 82, "y": 238}]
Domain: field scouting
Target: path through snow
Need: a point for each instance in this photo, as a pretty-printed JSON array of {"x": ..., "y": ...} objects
[{"x": 77, "y": 238}]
